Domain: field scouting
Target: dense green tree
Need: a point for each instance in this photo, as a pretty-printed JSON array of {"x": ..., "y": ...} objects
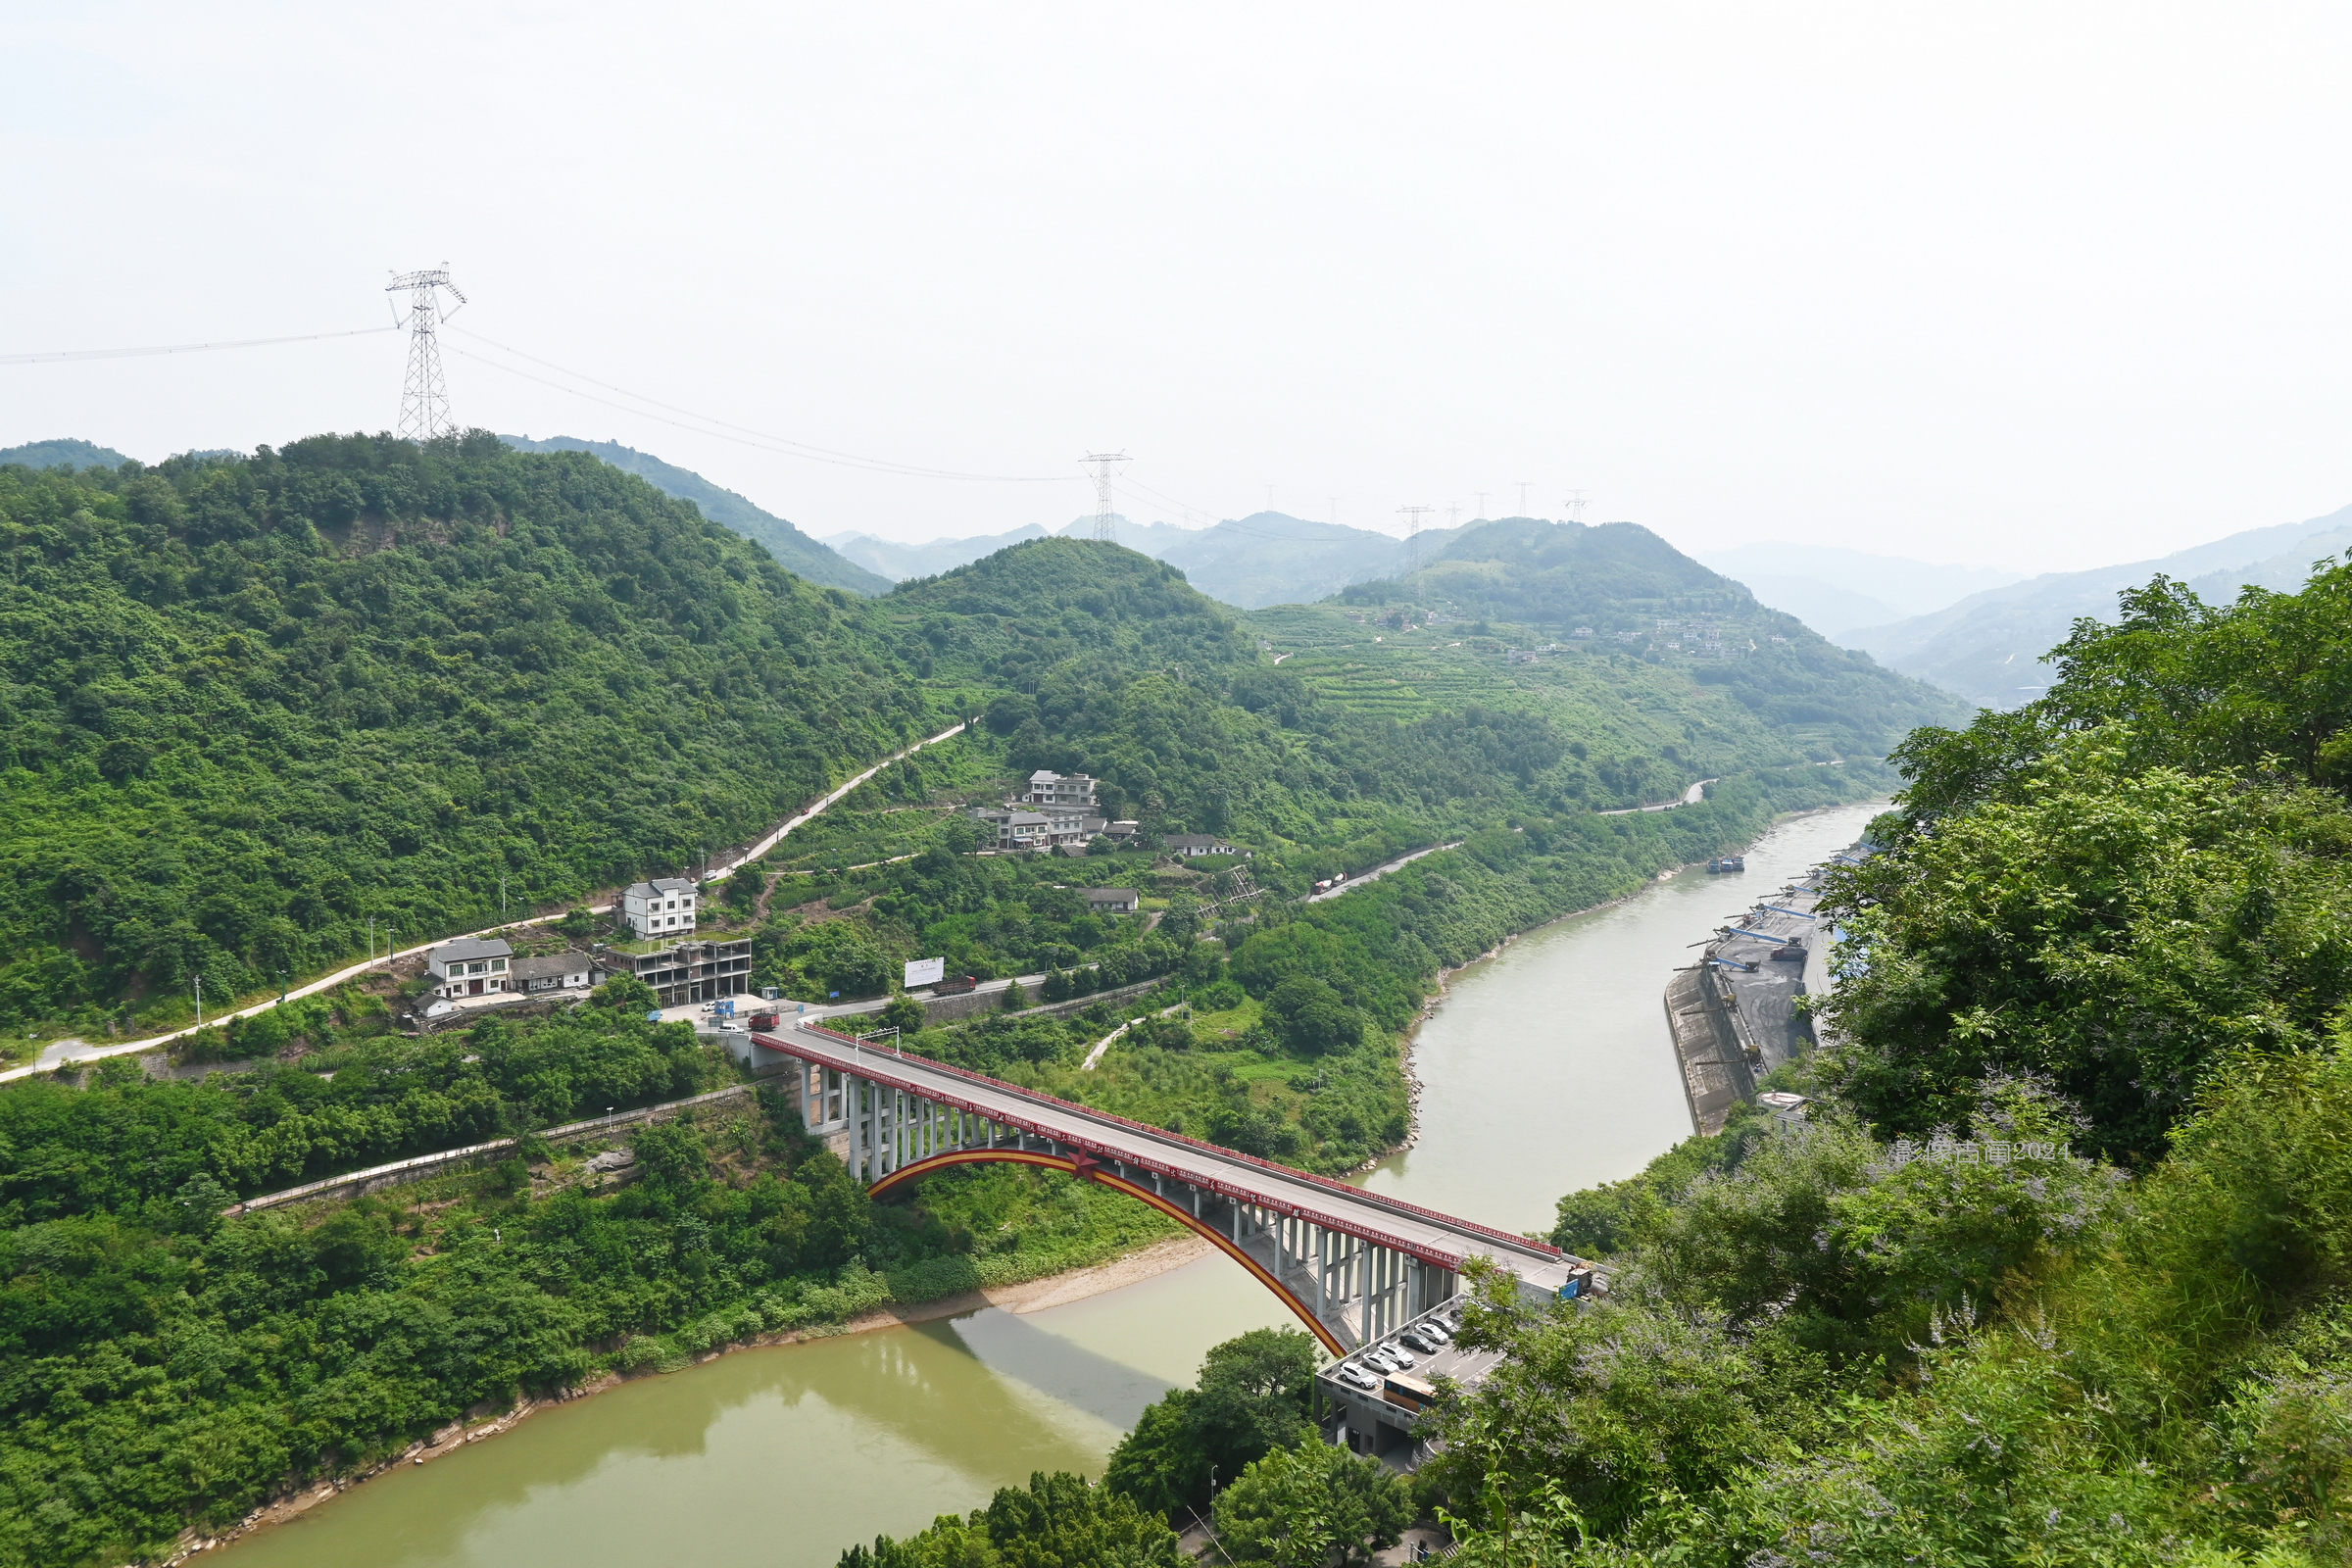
[
  {"x": 1058, "y": 1522},
  {"x": 1250, "y": 1398},
  {"x": 1303, "y": 1506}
]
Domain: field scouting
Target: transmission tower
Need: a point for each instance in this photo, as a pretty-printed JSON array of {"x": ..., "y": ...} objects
[
  {"x": 1412, "y": 535},
  {"x": 1523, "y": 488},
  {"x": 424, "y": 396},
  {"x": 1575, "y": 505},
  {"x": 1105, "y": 528}
]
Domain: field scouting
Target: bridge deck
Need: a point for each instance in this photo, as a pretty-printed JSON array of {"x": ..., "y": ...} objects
[{"x": 1436, "y": 1239}]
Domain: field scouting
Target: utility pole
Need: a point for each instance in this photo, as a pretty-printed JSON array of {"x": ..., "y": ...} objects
[
  {"x": 425, "y": 395},
  {"x": 502, "y": 898},
  {"x": 199, "y": 1001},
  {"x": 1105, "y": 529}
]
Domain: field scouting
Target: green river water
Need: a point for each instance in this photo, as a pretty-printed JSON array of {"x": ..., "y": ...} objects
[{"x": 1547, "y": 1068}]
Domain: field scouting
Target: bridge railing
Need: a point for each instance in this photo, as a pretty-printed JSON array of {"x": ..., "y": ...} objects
[{"x": 1355, "y": 1194}]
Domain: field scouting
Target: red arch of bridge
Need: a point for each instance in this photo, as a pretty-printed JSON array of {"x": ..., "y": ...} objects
[{"x": 1090, "y": 1171}]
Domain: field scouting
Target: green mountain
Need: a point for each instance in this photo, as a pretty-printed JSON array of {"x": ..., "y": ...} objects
[
  {"x": 253, "y": 704},
  {"x": 1652, "y": 654},
  {"x": 797, "y": 553},
  {"x": 65, "y": 453},
  {"x": 249, "y": 704}
]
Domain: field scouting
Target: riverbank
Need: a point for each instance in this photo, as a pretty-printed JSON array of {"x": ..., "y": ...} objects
[
  {"x": 1565, "y": 1015},
  {"x": 1443, "y": 981},
  {"x": 1027, "y": 1297}
]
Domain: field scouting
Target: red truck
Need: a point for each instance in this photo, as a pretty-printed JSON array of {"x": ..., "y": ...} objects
[{"x": 955, "y": 985}]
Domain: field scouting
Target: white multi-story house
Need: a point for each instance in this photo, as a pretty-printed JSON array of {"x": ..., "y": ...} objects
[
  {"x": 1048, "y": 788},
  {"x": 662, "y": 907},
  {"x": 1018, "y": 829},
  {"x": 469, "y": 966}
]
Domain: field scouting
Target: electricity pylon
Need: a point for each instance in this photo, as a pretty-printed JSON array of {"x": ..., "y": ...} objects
[
  {"x": 1105, "y": 528},
  {"x": 424, "y": 396}
]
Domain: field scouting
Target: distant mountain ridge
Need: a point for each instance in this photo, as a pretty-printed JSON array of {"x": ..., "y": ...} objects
[
  {"x": 62, "y": 453},
  {"x": 1987, "y": 648},
  {"x": 1834, "y": 590},
  {"x": 1268, "y": 557},
  {"x": 794, "y": 549},
  {"x": 899, "y": 563}
]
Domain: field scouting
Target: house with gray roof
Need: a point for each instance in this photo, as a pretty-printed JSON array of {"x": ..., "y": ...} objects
[{"x": 469, "y": 966}]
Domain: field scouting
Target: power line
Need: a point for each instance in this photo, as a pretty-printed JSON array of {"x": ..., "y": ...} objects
[
  {"x": 186, "y": 348},
  {"x": 759, "y": 444},
  {"x": 801, "y": 448}
]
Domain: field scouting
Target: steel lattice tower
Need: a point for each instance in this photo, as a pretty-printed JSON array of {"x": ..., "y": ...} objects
[
  {"x": 1412, "y": 535},
  {"x": 425, "y": 395},
  {"x": 1105, "y": 528}
]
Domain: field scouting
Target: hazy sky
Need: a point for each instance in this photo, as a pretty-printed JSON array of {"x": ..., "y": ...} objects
[{"x": 2024, "y": 284}]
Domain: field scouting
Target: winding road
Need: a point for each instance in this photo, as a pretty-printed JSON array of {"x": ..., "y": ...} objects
[{"x": 65, "y": 1053}]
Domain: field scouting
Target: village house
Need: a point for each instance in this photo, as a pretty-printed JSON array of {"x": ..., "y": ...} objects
[
  {"x": 1111, "y": 900},
  {"x": 558, "y": 971},
  {"x": 663, "y": 908},
  {"x": 1048, "y": 788},
  {"x": 469, "y": 966},
  {"x": 1018, "y": 829},
  {"x": 1189, "y": 845}
]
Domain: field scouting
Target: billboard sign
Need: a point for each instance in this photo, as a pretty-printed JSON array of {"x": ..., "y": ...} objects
[{"x": 925, "y": 972}]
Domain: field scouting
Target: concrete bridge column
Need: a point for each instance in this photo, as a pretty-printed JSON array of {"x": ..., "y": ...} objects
[
  {"x": 1322, "y": 1271},
  {"x": 854, "y": 1103}
]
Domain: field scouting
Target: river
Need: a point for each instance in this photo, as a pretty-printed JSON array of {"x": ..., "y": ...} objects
[{"x": 1547, "y": 1068}]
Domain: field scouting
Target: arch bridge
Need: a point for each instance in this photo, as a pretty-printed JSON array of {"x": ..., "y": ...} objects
[{"x": 1354, "y": 1265}]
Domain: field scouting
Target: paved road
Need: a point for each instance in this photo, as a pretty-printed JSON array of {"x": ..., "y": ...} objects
[
  {"x": 1379, "y": 871},
  {"x": 53, "y": 1057},
  {"x": 1690, "y": 796},
  {"x": 1433, "y": 1237}
]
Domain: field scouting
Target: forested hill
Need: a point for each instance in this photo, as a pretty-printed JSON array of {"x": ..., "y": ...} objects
[
  {"x": 250, "y": 703},
  {"x": 1611, "y": 577},
  {"x": 64, "y": 451},
  {"x": 245, "y": 705},
  {"x": 1621, "y": 637},
  {"x": 1108, "y": 662},
  {"x": 817, "y": 561}
]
